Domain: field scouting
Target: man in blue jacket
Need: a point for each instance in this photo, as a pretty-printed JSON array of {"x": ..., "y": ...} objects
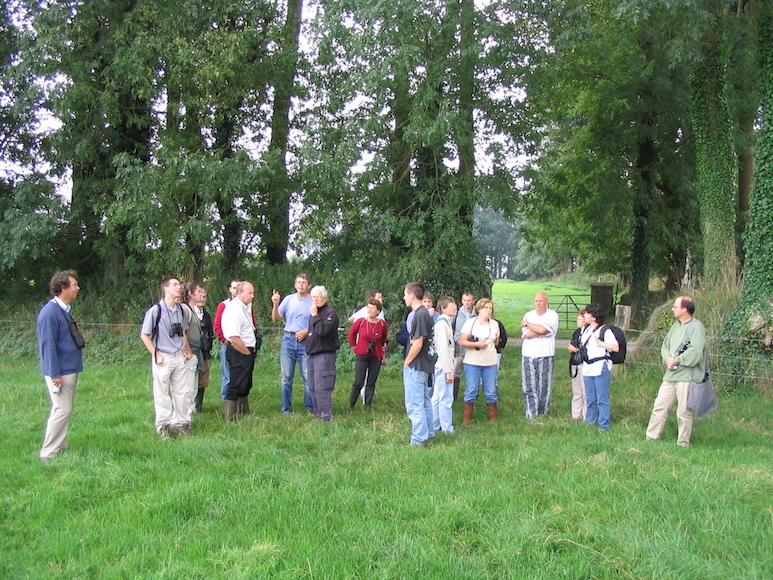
[{"x": 61, "y": 359}]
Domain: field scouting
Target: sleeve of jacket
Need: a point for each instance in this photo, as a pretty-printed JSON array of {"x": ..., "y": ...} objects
[
  {"x": 47, "y": 339},
  {"x": 218, "y": 324},
  {"x": 355, "y": 328}
]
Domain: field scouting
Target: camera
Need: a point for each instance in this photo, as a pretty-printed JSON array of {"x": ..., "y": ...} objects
[
  {"x": 176, "y": 329},
  {"x": 371, "y": 348}
]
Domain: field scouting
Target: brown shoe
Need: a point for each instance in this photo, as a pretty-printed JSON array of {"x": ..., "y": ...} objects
[
  {"x": 492, "y": 411},
  {"x": 468, "y": 409},
  {"x": 166, "y": 435},
  {"x": 185, "y": 431}
]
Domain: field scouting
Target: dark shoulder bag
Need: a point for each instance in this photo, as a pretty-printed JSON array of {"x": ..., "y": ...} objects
[{"x": 75, "y": 333}]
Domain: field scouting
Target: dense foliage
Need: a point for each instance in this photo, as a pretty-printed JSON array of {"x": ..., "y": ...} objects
[{"x": 439, "y": 140}]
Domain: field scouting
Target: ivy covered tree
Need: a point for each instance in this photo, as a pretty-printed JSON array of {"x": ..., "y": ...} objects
[
  {"x": 752, "y": 318},
  {"x": 715, "y": 159}
]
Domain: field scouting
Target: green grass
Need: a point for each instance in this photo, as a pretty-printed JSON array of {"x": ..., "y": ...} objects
[
  {"x": 513, "y": 299},
  {"x": 288, "y": 497}
]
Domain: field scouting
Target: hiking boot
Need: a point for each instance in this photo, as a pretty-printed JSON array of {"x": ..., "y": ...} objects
[
  {"x": 185, "y": 431},
  {"x": 166, "y": 435}
]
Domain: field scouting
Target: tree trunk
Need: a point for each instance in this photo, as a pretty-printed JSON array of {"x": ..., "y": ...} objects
[
  {"x": 643, "y": 208},
  {"x": 716, "y": 169},
  {"x": 280, "y": 187}
]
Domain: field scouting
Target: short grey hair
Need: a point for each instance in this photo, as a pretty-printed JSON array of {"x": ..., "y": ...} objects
[{"x": 319, "y": 290}]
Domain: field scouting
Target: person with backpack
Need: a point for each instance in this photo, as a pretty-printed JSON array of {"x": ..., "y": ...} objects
[
  {"x": 597, "y": 341},
  {"x": 172, "y": 363},
  {"x": 443, "y": 391},
  {"x": 479, "y": 337},
  {"x": 225, "y": 375}
]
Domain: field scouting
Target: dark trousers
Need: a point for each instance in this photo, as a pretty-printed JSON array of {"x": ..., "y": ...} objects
[
  {"x": 321, "y": 369},
  {"x": 366, "y": 369},
  {"x": 241, "y": 366}
]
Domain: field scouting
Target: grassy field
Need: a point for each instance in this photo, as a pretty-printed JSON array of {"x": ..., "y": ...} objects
[
  {"x": 513, "y": 299},
  {"x": 287, "y": 497},
  {"x": 278, "y": 496}
]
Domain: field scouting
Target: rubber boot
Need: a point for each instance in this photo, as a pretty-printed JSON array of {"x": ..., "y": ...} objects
[
  {"x": 199, "y": 400},
  {"x": 230, "y": 410},
  {"x": 242, "y": 406},
  {"x": 353, "y": 396},
  {"x": 369, "y": 391},
  {"x": 468, "y": 409},
  {"x": 492, "y": 411}
]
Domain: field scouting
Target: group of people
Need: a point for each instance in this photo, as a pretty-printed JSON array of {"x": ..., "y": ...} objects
[{"x": 442, "y": 346}]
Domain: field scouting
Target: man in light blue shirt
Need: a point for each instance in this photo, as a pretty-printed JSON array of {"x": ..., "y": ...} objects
[{"x": 296, "y": 311}]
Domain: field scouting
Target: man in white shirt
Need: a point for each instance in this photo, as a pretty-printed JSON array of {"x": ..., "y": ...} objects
[
  {"x": 239, "y": 330},
  {"x": 538, "y": 330}
]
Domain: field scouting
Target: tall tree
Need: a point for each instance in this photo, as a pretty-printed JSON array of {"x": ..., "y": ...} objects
[
  {"x": 415, "y": 93},
  {"x": 715, "y": 160},
  {"x": 104, "y": 115},
  {"x": 752, "y": 318},
  {"x": 279, "y": 186},
  {"x": 29, "y": 208},
  {"x": 612, "y": 177}
]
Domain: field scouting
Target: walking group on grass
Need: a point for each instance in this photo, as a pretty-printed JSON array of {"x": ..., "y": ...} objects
[{"x": 440, "y": 347}]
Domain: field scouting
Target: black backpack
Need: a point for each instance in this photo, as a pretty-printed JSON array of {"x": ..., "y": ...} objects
[{"x": 618, "y": 357}]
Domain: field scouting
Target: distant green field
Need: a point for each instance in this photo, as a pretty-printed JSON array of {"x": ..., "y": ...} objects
[{"x": 513, "y": 299}]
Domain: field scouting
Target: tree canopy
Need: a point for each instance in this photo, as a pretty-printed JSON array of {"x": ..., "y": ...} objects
[{"x": 206, "y": 140}]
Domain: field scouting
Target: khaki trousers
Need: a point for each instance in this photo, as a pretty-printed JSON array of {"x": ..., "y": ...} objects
[
  {"x": 668, "y": 394},
  {"x": 579, "y": 404},
  {"x": 173, "y": 390},
  {"x": 55, "y": 439}
]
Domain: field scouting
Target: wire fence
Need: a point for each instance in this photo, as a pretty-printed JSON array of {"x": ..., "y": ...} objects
[{"x": 643, "y": 349}]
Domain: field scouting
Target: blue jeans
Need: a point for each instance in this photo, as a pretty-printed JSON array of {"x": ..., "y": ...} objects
[
  {"x": 418, "y": 405},
  {"x": 225, "y": 371},
  {"x": 474, "y": 375},
  {"x": 597, "y": 397},
  {"x": 290, "y": 351}
]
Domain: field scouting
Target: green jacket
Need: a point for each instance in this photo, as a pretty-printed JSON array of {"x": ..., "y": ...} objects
[{"x": 692, "y": 361}]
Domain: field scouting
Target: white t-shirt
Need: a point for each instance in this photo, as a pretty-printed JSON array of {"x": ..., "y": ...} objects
[
  {"x": 544, "y": 345},
  {"x": 595, "y": 350},
  {"x": 363, "y": 313}
]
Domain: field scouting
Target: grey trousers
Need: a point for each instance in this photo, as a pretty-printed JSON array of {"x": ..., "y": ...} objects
[{"x": 321, "y": 370}]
